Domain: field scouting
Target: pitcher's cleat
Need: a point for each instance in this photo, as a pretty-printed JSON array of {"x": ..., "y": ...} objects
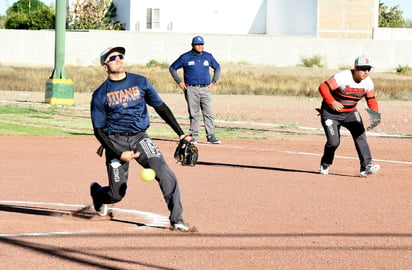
[
  {"x": 101, "y": 208},
  {"x": 179, "y": 225},
  {"x": 370, "y": 169}
]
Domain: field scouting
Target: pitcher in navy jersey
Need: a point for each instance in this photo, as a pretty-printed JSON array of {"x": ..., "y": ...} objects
[{"x": 120, "y": 119}]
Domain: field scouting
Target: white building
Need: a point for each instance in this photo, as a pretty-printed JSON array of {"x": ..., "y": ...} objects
[{"x": 322, "y": 18}]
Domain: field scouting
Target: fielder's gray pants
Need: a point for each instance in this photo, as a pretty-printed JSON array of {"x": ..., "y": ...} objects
[
  {"x": 150, "y": 157},
  {"x": 332, "y": 122},
  {"x": 200, "y": 99}
]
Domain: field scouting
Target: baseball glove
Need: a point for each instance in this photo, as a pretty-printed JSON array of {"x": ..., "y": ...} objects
[
  {"x": 374, "y": 118},
  {"x": 186, "y": 152}
]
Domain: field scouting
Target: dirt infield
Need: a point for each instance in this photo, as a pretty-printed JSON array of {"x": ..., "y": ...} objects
[{"x": 257, "y": 204}]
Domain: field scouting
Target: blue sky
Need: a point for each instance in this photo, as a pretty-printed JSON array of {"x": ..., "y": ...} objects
[{"x": 405, "y": 5}]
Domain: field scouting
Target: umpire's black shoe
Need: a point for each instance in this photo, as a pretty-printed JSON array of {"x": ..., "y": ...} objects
[
  {"x": 100, "y": 208},
  {"x": 212, "y": 140}
]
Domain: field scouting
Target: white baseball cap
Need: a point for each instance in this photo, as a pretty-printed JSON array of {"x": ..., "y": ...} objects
[
  {"x": 362, "y": 61},
  {"x": 107, "y": 51}
]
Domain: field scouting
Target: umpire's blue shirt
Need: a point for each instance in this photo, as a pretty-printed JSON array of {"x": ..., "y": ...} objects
[
  {"x": 196, "y": 67},
  {"x": 120, "y": 106}
]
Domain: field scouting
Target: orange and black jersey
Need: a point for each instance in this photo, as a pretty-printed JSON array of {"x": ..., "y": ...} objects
[{"x": 342, "y": 88}]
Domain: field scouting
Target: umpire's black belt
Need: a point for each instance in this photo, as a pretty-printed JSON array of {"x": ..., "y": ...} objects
[
  {"x": 125, "y": 134},
  {"x": 198, "y": 85}
]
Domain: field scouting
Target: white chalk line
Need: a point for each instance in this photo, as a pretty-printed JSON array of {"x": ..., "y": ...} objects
[
  {"x": 344, "y": 157},
  {"x": 305, "y": 153},
  {"x": 151, "y": 219},
  {"x": 296, "y": 127},
  {"x": 43, "y": 234},
  {"x": 343, "y": 132}
]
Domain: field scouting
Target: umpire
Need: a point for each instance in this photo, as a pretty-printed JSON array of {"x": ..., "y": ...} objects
[
  {"x": 197, "y": 86},
  {"x": 120, "y": 119}
]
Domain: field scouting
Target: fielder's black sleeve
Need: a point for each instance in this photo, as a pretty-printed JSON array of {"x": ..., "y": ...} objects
[
  {"x": 166, "y": 114},
  {"x": 105, "y": 141}
]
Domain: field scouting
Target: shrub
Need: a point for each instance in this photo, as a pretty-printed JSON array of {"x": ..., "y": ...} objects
[
  {"x": 155, "y": 63},
  {"x": 403, "y": 69},
  {"x": 313, "y": 61}
]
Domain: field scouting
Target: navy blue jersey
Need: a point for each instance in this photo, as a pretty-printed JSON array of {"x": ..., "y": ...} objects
[
  {"x": 120, "y": 106},
  {"x": 196, "y": 66}
]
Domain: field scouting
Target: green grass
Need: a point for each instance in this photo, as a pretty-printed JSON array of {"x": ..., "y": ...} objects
[
  {"x": 48, "y": 120},
  {"x": 25, "y": 130},
  {"x": 42, "y": 121}
]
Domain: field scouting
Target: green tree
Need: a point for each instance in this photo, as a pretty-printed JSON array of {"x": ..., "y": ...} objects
[
  {"x": 93, "y": 14},
  {"x": 391, "y": 17},
  {"x": 2, "y": 22},
  {"x": 42, "y": 19},
  {"x": 17, "y": 21},
  {"x": 26, "y": 6},
  {"x": 110, "y": 14},
  {"x": 30, "y": 15}
]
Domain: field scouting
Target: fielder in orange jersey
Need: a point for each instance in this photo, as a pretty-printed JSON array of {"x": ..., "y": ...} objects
[{"x": 341, "y": 93}]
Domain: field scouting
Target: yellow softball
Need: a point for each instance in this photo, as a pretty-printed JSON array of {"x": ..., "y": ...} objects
[{"x": 147, "y": 175}]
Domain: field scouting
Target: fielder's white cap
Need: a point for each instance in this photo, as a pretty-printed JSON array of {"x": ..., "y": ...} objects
[
  {"x": 362, "y": 61},
  {"x": 107, "y": 51}
]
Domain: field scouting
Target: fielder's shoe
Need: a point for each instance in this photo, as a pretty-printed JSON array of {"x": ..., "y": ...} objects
[
  {"x": 100, "y": 208},
  {"x": 324, "y": 169},
  {"x": 179, "y": 225},
  {"x": 212, "y": 140},
  {"x": 370, "y": 169}
]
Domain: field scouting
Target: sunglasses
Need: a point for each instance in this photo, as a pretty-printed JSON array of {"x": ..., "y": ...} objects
[
  {"x": 115, "y": 57},
  {"x": 364, "y": 68}
]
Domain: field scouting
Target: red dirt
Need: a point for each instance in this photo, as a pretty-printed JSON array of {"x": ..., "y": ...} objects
[{"x": 256, "y": 204}]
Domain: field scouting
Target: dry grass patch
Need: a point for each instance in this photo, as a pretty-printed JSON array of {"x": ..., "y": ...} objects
[{"x": 236, "y": 79}]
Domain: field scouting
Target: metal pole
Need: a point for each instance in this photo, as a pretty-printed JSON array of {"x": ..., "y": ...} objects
[
  {"x": 60, "y": 41},
  {"x": 59, "y": 89}
]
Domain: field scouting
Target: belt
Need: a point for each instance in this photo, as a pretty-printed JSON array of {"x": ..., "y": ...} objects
[
  {"x": 124, "y": 134},
  {"x": 198, "y": 85}
]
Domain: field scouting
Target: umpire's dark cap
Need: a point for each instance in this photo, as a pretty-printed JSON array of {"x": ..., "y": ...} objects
[
  {"x": 108, "y": 51},
  {"x": 198, "y": 40}
]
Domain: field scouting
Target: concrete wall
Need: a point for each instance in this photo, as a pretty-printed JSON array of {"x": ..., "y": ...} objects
[
  {"x": 36, "y": 48},
  {"x": 392, "y": 34}
]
